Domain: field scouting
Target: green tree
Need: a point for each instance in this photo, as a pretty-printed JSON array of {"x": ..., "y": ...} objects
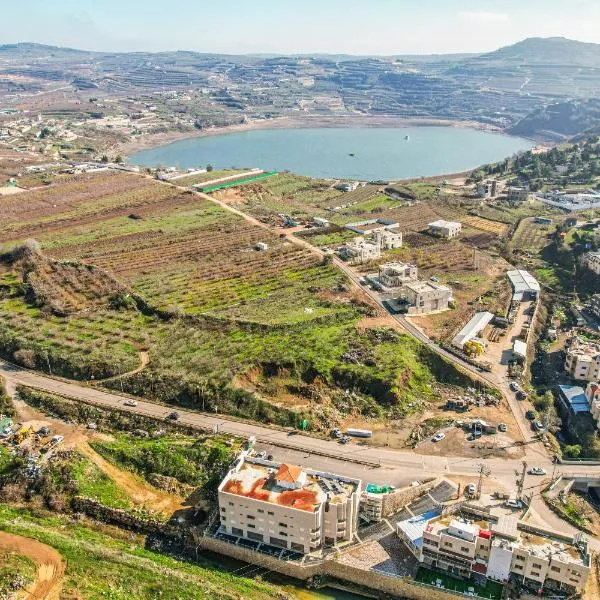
[{"x": 209, "y": 168}]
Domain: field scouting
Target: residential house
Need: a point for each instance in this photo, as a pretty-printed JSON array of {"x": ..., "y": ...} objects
[
  {"x": 591, "y": 260},
  {"x": 446, "y": 229},
  {"x": 582, "y": 360}
]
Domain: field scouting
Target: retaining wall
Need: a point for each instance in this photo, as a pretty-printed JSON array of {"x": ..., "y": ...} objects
[{"x": 398, "y": 499}]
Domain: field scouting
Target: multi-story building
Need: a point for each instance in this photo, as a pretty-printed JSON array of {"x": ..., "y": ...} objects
[
  {"x": 395, "y": 274},
  {"x": 363, "y": 249},
  {"x": 388, "y": 239},
  {"x": 360, "y": 250},
  {"x": 288, "y": 506},
  {"x": 517, "y": 194},
  {"x": 446, "y": 229},
  {"x": 498, "y": 551},
  {"x": 591, "y": 260},
  {"x": 487, "y": 188},
  {"x": 594, "y": 305},
  {"x": 582, "y": 360},
  {"x": 425, "y": 297}
]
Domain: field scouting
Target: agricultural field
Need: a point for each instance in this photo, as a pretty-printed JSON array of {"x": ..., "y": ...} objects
[
  {"x": 124, "y": 268},
  {"x": 531, "y": 237}
]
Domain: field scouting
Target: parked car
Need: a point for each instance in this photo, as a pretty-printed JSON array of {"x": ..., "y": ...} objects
[
  {"x": 435, "y": 279},
  {"x": 531, "y": 415},
  {"x": 43, "y": 431},
  {"x": 521, "y": 395},
  {"x": 514, "y": 386},
  {"x": 438, "y": 437},
  {"x": 513, "y": 504},
  {"x": 174, "y": 416},
  {"x": 537, "y": 426},
  {"x": 91, "y": 425},
  {"x": 130, "y": 403},
  {"x": 57, "y": 439},
  {"x": 537, "y": 471},
  {"x": 471, "y": 489},
  {"x": 344, "y": 439},
  {"x": 261, "y": 454},
  {"x": 270, "y": 457},
  {"x": 502, "y": 427}
]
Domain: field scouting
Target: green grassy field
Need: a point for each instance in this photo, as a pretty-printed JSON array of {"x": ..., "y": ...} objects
[{"x": 103, "y": 562}]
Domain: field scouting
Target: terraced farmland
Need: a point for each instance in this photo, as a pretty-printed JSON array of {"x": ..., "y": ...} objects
[
  {"x": 531, "y": 236},
  {"x": 127, "y": 264}
]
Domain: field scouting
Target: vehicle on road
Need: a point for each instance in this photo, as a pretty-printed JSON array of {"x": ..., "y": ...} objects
[
  {"x": 537, "y": 426},
  {"x": 261, "y": 454},
  {"x": 130, "y": 403},
  {"x": 344, "y": 439},
  {"x": 293, "y": 432},
  {"x": 531, "y": 415},
  {"x": 435, "y": 279},
  {"x": 513, "y": 503},
  {"x": 514, "y": 386},
  {"x": 521, "y": 395},
  {"x": 438, "y": 437},
  {"x": 336, "y": 433},
  {"x": 471, "y": 490},
  {"x": 57, "y": 439},
  {"x": 537, "y": 471},
  {"x": 502, "y": 427},
  {"x": 174, "y": 416},
  {"x": 365, "y": 433},
  {"x": 43, "y": 431}
]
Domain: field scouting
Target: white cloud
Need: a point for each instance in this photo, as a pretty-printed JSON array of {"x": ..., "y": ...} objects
[{"x": 481, "y": 16}]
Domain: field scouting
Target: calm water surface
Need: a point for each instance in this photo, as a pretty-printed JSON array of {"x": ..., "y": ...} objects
[{"x": 379, "y": 153}]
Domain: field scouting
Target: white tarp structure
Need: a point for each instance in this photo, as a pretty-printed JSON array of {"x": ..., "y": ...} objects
[
  {"x": 523, "y": 283},
  {"x": 472, "y": 329},
  {"x": 520, "y": 348}
]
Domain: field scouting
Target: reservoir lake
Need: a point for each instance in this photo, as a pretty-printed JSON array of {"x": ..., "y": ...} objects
[{"x": 341, "y": 152}]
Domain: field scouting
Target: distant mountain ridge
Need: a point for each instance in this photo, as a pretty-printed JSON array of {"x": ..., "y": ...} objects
[
  {"x": 554, "y": 50},
  {"x": 535, "y": 50}
]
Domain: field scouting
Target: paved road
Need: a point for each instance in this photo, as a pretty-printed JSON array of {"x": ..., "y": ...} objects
[{"x": 394, "y": 463}]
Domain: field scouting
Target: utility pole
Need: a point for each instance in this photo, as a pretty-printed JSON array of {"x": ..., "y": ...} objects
[
  {"x": 483, "y": 471},
  {"x": 521, "y": 481}
]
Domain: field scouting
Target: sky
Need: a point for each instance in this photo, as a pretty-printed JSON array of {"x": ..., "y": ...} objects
[{"x": 299, "y": 26}]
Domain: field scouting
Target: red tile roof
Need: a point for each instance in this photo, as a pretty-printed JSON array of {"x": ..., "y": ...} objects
[{"x": 288, "y": 473}]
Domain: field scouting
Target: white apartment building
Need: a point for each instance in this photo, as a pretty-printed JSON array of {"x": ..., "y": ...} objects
[
  {"x": 582, "y": 360},
  {"x": 591, "y": 260},
  {"x": 498, "y": 551},
  {"x": 446, "y": 229},
  {"x": 288, "y": 506},
  {"x": 592, "y": 392}
]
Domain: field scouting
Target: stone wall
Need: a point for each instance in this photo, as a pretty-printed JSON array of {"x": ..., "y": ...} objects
[
  {"x": 398, "y": 499},
  {"x": 400, "y": 587}
]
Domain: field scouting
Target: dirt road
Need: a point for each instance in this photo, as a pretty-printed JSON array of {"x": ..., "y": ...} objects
[
  {"x": 141, "y": 493},
  {"x": 49, "y": 564}
]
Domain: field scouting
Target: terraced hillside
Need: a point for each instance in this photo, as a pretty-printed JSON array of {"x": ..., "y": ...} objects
[{"x": 270, "y": 334}]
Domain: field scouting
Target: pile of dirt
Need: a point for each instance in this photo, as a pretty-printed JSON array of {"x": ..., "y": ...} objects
[{"x": 64, "y": 287}]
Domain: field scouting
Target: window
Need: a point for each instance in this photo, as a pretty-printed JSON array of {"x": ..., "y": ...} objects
[
  {"x": 237, "y": 531},
  {"x": 463, "y": 549},
  {"x": 251, "y": 517},
  {"x": 282, "y": 524},
  {"x": 270, "y": 513},
  {"x": 534, "y": 574},
  {"x": 297, "y": 547},
  {"x": 230, "y": 503},
  {"x": 223, "y": 509},
  {"x": 449, "y": 544},
  {"x": 251, "y": 526},
  {"x": 555, "y": 569},
  {"x": 255, "y": 536},
  {"x": 520, "y": 557},
  {"x": 260, "y": 510},
  {"x": 518, "y": 567},
  {"x": 223, "y": 518},
  {"x": 536, "y": 566},
  {"x": 283, "y": 533}
]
